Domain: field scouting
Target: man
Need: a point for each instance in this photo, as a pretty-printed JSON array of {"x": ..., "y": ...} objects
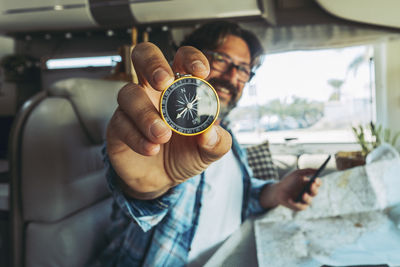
[{"x": 178, "y": 197}]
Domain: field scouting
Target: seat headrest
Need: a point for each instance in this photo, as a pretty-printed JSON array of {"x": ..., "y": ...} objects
[{"x": 94, "y": 101}]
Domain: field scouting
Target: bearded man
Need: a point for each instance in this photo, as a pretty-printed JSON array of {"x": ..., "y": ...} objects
[{"x": 177, "y": 198}]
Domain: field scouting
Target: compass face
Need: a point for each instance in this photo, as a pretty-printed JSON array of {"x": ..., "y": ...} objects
[{"x": 189, "y": 105}]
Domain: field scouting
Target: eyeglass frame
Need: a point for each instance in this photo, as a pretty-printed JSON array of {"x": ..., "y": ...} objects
[{"x": 230, "y": 65}]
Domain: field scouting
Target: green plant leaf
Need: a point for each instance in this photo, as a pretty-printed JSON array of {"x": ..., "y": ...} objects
[
  {"x": 386, "y": 135},
  {"x": 394, "y": 140}
]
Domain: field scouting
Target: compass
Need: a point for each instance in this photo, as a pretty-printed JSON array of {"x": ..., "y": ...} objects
[{"x": 190, "y": 105}]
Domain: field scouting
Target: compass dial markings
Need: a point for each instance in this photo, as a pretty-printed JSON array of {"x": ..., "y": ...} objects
[{"x": 189, "y": 106}]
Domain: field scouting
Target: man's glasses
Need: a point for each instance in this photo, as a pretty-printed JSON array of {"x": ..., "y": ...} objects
[{"x": 223, "y": 63}]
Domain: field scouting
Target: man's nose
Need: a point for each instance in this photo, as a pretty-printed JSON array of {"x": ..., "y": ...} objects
[{"x": 231, "y": 74}]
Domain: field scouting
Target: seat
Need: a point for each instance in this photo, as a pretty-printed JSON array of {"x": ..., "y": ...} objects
[{"x": 59, "y": 201}]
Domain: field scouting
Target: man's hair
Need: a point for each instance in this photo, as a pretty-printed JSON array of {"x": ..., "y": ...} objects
[{"x": 213, "y": 34}]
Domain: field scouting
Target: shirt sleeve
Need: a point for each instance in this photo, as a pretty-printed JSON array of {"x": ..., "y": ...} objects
[
  {"x": 256, "y": 186},
  {"x": 145, "y": 213}
]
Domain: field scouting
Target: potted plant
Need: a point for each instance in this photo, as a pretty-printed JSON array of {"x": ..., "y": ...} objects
[{"x": 379, "y": 135}]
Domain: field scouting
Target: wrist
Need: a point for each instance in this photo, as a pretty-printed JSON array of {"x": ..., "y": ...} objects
[
  {"x": 143, "y": 194},
  {"x": 269, "y": 196}
]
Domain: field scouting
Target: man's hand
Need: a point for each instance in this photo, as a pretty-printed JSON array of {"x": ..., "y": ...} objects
[
  {"x": 288, "y": 189},
  {"x": 147, "y": 156}
]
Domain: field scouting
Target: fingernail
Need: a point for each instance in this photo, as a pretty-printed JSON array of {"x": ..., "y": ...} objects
[
  {"x": 198, "y": 66},
  {"x": 158, "y": 129},
  {"x": 161, "y": 76},
  {"x": 212, "y": 137}
]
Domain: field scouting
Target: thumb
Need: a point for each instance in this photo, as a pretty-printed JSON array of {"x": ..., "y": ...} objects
[{"x": 214, "y": 143}]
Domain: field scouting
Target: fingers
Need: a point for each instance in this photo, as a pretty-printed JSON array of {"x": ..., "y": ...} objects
[
  {"x": 307, "y": 197},
  {"x": 153, "y": 69},
  {"x": 214, "y": 143},
  {"x": 297, "y": 206},
  {"x": 190, "y": 60},
  {"x": 151, "y": 66},
  {"x": 141, "y": 112},
  {"x": 138, "y": 119},
  {"x": 139, "y": 103},
  {"x": 122, "y": 134},
  {"x": 315, "y": 187}
]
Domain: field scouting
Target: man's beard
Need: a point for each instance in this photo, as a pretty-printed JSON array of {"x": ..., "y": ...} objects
[{"x": 224, "y": 110}]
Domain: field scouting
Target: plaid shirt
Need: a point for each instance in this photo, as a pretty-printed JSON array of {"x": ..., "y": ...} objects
[{"x": 159, "y": 232}]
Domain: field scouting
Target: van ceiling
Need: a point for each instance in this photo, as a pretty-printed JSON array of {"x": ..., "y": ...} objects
[
  {"x": 50, "y": 15},
  {"x": 75, "y": 15},
  {"x": 382, "y": 12}
]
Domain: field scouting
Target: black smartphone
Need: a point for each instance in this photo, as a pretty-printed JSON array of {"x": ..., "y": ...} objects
[{"x": 312, "y": 179}]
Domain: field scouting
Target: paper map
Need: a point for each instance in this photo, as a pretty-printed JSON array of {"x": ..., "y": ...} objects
[{"x": 349, "y": 208}]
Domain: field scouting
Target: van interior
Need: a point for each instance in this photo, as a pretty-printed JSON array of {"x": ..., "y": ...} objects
[{"x": 329, "y": 76}]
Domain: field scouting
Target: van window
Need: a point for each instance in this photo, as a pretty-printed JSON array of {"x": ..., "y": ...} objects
[
  {"x": 308, "y": 97},
  {"x": 82, "y": 62}
]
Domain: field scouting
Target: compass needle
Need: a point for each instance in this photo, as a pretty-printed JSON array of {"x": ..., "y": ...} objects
[{"x": 181, "y": 113}]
